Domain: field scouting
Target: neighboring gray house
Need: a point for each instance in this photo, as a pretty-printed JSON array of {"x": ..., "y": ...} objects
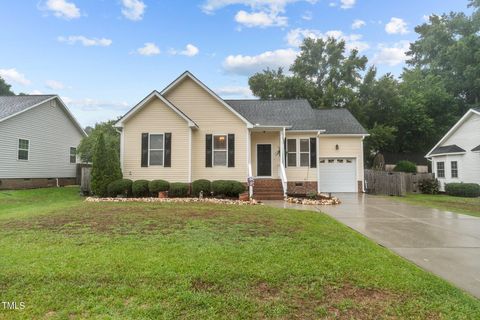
[{"x": 38, "y": 142}]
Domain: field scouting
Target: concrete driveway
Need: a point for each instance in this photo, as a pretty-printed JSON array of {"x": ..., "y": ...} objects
[{"x": 444, "y": 243}]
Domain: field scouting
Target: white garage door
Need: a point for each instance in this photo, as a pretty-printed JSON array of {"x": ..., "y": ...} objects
[{"x": 338, "y": 175}]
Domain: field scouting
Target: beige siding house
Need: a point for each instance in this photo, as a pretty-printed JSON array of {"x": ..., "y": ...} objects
[{"x": 186, "y": 132}]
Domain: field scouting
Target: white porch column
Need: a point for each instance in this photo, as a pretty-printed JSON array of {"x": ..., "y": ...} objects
[
  {"x": 249, "y": 161},
  {"x": 318, "y": 162}
]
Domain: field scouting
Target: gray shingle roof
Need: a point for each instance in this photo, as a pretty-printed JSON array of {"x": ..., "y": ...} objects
[
  {"x": 298, "y": 114},
  {"x": 477, "y": 148},
  {"x": 453, "y": 148},
  {"x": 10, "y": 105}
]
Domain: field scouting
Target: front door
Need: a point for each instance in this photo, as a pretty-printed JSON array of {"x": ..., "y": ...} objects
[{"x": 264, "y": 160}]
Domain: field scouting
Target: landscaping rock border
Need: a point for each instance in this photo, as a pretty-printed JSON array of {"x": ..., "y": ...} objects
[
  {"x": 177, "y": 200},
  {"x": 306, "y": 201}
]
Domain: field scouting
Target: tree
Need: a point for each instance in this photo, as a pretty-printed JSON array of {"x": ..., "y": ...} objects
[
  {"x": 105, "y": 169},
  {"x": 111, "y": 136},
  {"x": 322, "y": 73},
  {"x": 5, "y": 88},
  {"x": 449, "y": 47}
]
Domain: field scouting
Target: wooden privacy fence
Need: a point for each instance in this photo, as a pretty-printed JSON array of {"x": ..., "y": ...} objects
[
  {"x": 85, "y": 178},
  {"x": 393, "y": 183}
]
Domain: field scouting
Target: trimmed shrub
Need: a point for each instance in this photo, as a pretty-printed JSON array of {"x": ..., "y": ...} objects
[
  {"x": 470, "y": 190},
  {"x": 140, "y": 188},
  {"x": 178, "y": 190},
  {"x": 429, "y": 186},
  {"x": 156, "y": 186},
  {"x": 122, "y": 187},
  {"x": 201, "y": 185},
  {"x": 405, "y": 166},
  {"x": 227, "y": 188},
  {"x": 105, "y": 168}
]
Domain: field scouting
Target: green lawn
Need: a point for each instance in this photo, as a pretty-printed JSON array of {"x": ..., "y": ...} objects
[
  {"x": 470, "y": 206},
  {"x": 66, "y": 259}
]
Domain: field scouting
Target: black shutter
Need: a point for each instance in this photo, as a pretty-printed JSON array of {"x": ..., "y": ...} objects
[
  {"x": 167, "y": 162},
  {"x": 285, "y": 151},
  {"x": 231, "y": 150},
  {"x": 313, "y": 152},
  {"x": 208, "y": 150},
  {"x": 144, "y": 149}
]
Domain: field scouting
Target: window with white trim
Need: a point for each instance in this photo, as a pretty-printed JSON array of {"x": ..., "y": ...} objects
[
  {"x": 23, "y": 149},
  {"x": 441, "y": 169},
  {"x": 220, "y": 150},
  {"x": 73, "y": 155},
  {"x": 454, "y": 169},
  {"x": 304, "y": 152},
  {"x": 156, "y": 148},
  {"x": 292, "y": 152}
]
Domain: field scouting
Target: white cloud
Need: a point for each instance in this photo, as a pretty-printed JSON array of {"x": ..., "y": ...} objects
[
  {"x": 149, "y": 49},
  {"x": 308, "y": 15},
  {"x": 248, "y": 65},
  {"x": 260, "y": 19},
  {"x": 396, "y": 26},
  {"x": 357, "y": 24},
  {"x": 87, "y": 42},
  {"x": 347, "y": 4},
  {"x": 264, "y": 13},
  {"x": 352, "y": 41},
  {"x": 12, "y": 75},
  {"x": 89, "y": 111},
  {"x": 189, "y": 51},
  {"x": 54, "y": 85},
  {"x": 391, "y": 55},
  {"x": 133, "y": 9},
  {"x": 62, "y": 9},
  {"x": 234, "y": 91}
]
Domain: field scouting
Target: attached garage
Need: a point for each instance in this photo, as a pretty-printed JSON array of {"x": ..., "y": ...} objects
[{"x": 338, "y": 175}]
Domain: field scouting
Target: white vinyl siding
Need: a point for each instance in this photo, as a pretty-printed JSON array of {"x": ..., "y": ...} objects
[{"x": 50, "y": 133}]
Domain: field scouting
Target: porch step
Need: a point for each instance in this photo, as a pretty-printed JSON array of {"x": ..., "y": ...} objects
[{"x": 268, "y": 189}]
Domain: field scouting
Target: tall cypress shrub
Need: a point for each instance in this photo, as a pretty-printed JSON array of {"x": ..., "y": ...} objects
[{"x": 105, "y": 168}]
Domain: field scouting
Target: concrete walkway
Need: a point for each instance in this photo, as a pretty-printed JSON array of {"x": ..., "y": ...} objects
[{"x": 444, "y": 243}]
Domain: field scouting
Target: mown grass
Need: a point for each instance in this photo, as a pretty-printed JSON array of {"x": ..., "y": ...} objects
[
  {"x": 469, "y": 206},
  {"x": 166, "y": 261}
]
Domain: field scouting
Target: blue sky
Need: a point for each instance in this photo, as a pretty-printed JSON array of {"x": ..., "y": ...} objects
[{"x": 104, "y": 56}]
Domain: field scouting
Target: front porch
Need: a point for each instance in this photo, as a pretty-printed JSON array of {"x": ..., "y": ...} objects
[{"x": 273, "y": 179}]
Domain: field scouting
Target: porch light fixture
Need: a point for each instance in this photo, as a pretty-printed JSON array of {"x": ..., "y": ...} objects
[{"x": 337, "y": 147}]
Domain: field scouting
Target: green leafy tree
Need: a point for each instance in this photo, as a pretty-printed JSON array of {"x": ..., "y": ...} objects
[
  {"x": 105, "y": 169},
  {"x": 5, "y": 88},
  {"x": 111, "y": 136},
  {"x": 448, "y": 46},
  {"x": 322, "y": 73}
]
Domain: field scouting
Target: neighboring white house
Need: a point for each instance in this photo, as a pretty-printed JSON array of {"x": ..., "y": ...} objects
[
  {"x": 456, "y": 157},
  {"x": 38, "y": 142}
]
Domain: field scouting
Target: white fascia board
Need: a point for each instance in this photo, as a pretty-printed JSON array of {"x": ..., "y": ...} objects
[{"x": 452, "y": 130}]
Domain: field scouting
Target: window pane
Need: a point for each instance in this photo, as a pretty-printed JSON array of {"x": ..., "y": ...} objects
[
  {"x": 23, "y": 144},
  {"x": 220, "y": 158},
  {"x": 156, "y": 141},
  {"x": 304, "y": 145},
  {"x": 304, "y": 159},
  {"x": 156, "y": 157},
  {"x": 22, "y": 155},
  {"x": 220, "y": 142},
  {"x": 73, "y": 151},
  {"x": 292, "y": 145},
  {"x": 292, "y": 159}
]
